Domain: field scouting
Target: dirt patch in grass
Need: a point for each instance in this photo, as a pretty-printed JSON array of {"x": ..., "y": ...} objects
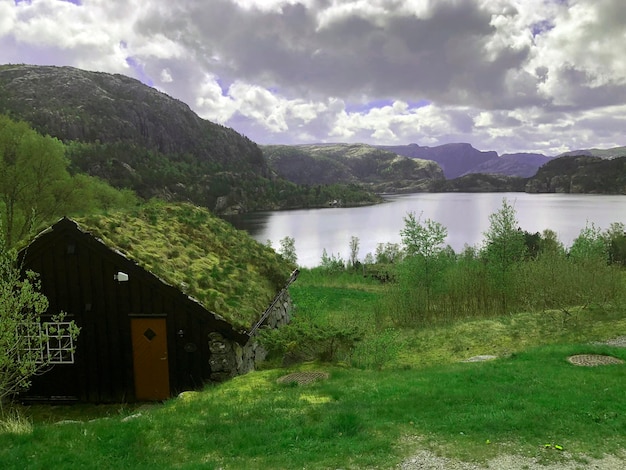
[{"x": 302, "y": 378}]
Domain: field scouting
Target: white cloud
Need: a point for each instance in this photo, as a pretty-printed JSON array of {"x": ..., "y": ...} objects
[
  {"x": 166, "y": 76},
  {"x": 211, "y": 104},
  {"x": 501, "y": 74},
  {"x": 7, "y": 18}
]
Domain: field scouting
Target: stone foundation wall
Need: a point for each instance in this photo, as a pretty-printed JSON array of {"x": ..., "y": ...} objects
[{"x": 229, "y": 358}]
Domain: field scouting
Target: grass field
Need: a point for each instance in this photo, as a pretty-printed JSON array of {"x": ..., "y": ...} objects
[{"x": 368, "y": 413}]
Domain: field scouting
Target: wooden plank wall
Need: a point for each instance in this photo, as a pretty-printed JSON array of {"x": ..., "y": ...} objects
[{"x": 82, "y": 284}]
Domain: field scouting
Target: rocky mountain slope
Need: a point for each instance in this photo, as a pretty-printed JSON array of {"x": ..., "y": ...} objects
[
  {"x": 135, "y": 136},
  {"x": 380, "y": 170}
]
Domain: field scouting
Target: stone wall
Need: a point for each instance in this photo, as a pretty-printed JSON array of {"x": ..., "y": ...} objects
[{"x": 229, "y": 358}]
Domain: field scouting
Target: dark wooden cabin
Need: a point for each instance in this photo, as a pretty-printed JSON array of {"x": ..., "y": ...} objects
[{"x": 141, "y": 338}]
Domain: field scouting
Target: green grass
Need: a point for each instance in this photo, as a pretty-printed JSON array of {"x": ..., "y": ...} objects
[
  {"x": 367, "y": 417},
  {"x": 356, "y": 418}
]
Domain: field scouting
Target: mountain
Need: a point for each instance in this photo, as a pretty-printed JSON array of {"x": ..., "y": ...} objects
[
  {"x": 522, "y": 165},
  {"x": 378, "y": 169},
  {"x": 454, "y": 159},
  {"x": 580, "y": 174},
  {"x": 134, "y": 136},
  {"x": 460, "y": 159},
  {"x": 610, "y": 153}
]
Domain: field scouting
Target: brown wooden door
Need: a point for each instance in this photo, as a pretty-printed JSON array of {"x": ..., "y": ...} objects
[{"x": 150, "y": 364}]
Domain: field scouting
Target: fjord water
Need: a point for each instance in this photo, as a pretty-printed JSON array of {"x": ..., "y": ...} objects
[{"x": 465, "y": 215}]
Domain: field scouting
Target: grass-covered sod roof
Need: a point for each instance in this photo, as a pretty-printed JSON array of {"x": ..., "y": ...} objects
[{"x": 226, "y": 270}]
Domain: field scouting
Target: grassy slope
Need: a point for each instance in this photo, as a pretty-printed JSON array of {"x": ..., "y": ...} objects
[{"x": 363, "y": 418}]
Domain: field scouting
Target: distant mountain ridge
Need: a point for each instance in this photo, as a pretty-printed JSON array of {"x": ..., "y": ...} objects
[
  {"x": 454, "y": 159},
  {"x": 609, "y": 153},
  {"x": 460, "y": 159},
  {"x": 378, "y": 169}
]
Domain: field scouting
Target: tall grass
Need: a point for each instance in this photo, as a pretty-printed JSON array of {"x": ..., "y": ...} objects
[{"x": 463, "y": 288}]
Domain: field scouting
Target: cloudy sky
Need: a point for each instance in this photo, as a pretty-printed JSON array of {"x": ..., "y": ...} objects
[{"x": 504, "y": 75}]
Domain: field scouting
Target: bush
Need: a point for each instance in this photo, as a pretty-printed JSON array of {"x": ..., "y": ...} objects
[
  {"x": 377, "y": 350},
  {"x": 333, "y": 263},
  {"x": 302, "y": 341}
]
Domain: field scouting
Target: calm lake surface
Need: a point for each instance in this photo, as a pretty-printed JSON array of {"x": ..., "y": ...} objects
[{"x": 465, "y": 215}]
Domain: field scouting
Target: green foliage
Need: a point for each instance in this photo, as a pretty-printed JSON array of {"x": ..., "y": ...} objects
[
  {"x": 580, "y": 174},
  {"x": 206, "y": 182},
  {"x": 435, "y": 286},
  {"x": 420, "y": 284},
  {"x": 504, "y": 249},
  {"x": 22, "y": 345},
  {"x": 424, "y": 239},
  {"x": 36, "y": 187},
  {"x": 288, "y": 250},
  {"x": 303, "y": 341},
  {"x": 616, "y": 239},
  {"x": 589, "y": 245},
  {"x": 332, "y": 263},
  {"x": 387, "y": 253},
  {"x": 353, "y": 261},
  {"x": 34, "y": 182},
  {"x": 378, "y": 350}
]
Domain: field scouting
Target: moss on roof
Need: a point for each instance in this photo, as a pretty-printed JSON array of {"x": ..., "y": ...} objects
[{"x": 226, "y": 270}]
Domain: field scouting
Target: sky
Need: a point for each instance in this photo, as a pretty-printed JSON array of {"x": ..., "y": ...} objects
[{"x": 543, "y": 76}]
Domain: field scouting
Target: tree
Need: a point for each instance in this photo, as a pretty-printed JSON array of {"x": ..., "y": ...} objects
[
  {"x": 616, "y": 241},
  {"x": 288, "y": 249},
  {"x": 332, "y": 263},
  {"x": 423, "y": 239},
  {"x": 589, "y": 245},
  {"x": 589, "y": 254},
  {"x": 387, "y": 253},
  {"x": 34, "y": 181},
  {"x": 23, "y": 338},
  {"x": 421, "y": 271},
  {"x": 504, "y": 248},
  {"x": 354, "y": 251}
]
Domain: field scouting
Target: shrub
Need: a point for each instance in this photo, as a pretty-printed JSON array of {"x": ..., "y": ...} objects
[{"x": 302, "y": 341}]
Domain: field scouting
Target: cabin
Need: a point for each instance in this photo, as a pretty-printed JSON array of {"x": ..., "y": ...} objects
[{"x": 141, "y": 338}]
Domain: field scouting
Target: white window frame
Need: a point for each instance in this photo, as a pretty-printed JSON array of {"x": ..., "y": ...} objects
[{"x": 51, "y": 342}]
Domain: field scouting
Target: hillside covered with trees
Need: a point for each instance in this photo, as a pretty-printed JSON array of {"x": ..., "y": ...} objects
[
  {"x": 380, "y": 170},
  {"x": 135, "y": 137}
]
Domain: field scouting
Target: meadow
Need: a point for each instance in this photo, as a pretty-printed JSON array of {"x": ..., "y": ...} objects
[
  {"x": 392, "y": 347},
  {"x": 368, "y": 413}
]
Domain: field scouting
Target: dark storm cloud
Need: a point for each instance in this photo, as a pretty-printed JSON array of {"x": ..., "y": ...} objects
[{"x": 442, "y": 55}]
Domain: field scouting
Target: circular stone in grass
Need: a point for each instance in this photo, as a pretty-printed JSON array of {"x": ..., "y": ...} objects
[
  {"x": 592, "y": 360},
  {"x": 302, "y": 378}
]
